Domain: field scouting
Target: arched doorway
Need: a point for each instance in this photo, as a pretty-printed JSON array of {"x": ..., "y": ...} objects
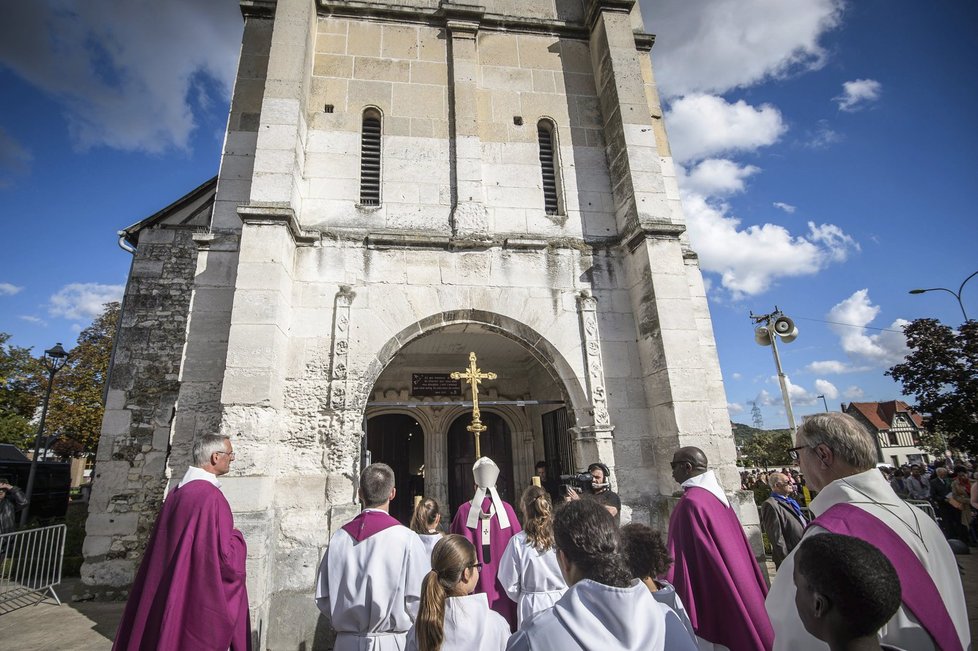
[
  {"x": 495, "y": 443},
  {"x": 398, "y": 441}
]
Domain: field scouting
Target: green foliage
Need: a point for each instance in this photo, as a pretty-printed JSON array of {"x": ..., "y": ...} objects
[
  {"x": 941, "y": 373},
  {"x": 763, "y": 447},
  {"x": 76, "y": 406},
  {"x": 19, "y": 392}
]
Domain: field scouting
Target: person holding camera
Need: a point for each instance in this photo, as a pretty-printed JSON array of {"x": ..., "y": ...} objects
[
  {"x": 599, "y": 488},
  {"x": 12, "y": 500}
]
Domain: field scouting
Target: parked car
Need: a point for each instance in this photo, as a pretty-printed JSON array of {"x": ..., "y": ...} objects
[{"x": 52, "y": 482}]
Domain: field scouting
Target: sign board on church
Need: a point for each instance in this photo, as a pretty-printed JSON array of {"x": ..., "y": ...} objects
[{"x": 426, "y": 385}]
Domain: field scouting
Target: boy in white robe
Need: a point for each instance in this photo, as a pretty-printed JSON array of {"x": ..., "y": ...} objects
[{"x": 370, "y": 578}]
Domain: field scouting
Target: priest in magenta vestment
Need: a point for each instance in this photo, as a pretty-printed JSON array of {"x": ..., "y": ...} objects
[
  {"x": 189, "y": 593},
  {"x": 715, "y": 572},
  {"x": 489, "y": 522}
]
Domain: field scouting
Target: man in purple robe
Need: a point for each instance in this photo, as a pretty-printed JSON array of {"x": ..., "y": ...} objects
[
  {"x": 489, "y": 522},
  {"x": 190, "y": 591},
  {"x": 715, "y": 572}
]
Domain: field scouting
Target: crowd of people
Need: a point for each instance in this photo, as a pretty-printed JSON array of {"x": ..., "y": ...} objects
[{"x": 563, "y": 575}]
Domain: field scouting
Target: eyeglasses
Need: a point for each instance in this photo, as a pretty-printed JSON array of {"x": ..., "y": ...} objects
[
  {"x": 673, "y": 464},
  {"x": 477, "y": 566},
  {"x": 793, "y": 452},
  {"x": 230, "y": 454}
]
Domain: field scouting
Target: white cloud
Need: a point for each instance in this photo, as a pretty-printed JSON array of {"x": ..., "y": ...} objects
[
  {"x": 736, "y": 376},
  {"x": 707, "y": 125},
  {"x": 83, "y": 300},
  {"x": 15, "y": 159},
  {"x": 717, "y": 177},
  {"x": 822, "y": 136},
  {"x": 856, "y": 312},
  {"x": 750, "y": 259},
  {"x": 786, "y": 207},
  {"x": 717, "y": 45},
  {"x": 126, "y": 73},
  {"x": 734, "y": 408},
  {"x": 799, "y": 395},
  {"x": 8, "y": 289},
  {"x": 827, "y": 389},
  {"x": 832, "y": 367},
  {"x": 853, "y": 392},
  {"x": 857, "y": 94},
  {"x": 30, "y": 318},
  {"x": 766, "y": 399}
]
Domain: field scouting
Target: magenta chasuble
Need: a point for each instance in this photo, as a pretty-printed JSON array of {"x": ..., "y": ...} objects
[
  {"x": 716, "y": 575},
  {"x": 189, "y": 593}
]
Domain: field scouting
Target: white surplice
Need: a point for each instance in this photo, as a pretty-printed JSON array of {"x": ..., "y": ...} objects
[
  {"x": 591, "y": 615},
  {"x": 667, "y": 596},
  {"x": 469, "y": 626},
  {"x": 429, "y": 540},
  {"x": 870, "y": 492},
  {"x": 530, "y": 578},
  {"x": 371, "y": 590}
]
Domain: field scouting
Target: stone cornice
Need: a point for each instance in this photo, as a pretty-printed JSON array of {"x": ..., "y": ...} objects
[
  {"x": 644, "y": 41},
  {"x": 277, "y": 215},
  {"x": 258, "y": 8},
  {"x": 653, "y": 230},
  {"x": 597, "y": 7}
]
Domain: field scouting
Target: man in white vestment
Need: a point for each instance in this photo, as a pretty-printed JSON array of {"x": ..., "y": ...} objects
[
  {"x": 370, "y": 578},
  {"x": 838, "y": 457}
]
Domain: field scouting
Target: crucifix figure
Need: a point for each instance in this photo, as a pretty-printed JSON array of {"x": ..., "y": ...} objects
[{"x": 473, "y": 375}]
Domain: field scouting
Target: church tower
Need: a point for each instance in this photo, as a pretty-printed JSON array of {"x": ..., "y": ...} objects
[{"x": 404, "y": 183}]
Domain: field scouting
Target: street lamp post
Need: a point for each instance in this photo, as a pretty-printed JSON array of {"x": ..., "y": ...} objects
[
  {"x": 956, "y": 294},
  {"x": 824, "y": 403},
  {"x": 54, "y": 360},
  {"x": 769, "y": 328}
]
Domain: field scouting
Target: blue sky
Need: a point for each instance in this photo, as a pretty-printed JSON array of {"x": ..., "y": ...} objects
[{"x": 826, "y": 148}]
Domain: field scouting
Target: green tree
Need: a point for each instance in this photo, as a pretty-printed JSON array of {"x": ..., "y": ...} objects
[
  {"x": 768, "y": 447},
  {"x": 75, "y": 410},
  {"x": 941, "y": 373},
  {"x": 19, "y": 392}
]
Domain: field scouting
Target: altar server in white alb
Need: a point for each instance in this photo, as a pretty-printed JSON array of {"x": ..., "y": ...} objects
[
  {"x": 370, "y": 578},
  {"x": 528, "y": 570},
  {"x": 604, "y": 608},
  {"x": 838, "y": 457},
  {"x": 451, "y": 617},
  {"x": 425, "y": 521}
]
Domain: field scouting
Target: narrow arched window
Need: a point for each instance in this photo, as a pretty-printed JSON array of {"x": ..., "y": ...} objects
[
  {"x": 370, "y": 139},
  {"x": 546, "y": 137}
]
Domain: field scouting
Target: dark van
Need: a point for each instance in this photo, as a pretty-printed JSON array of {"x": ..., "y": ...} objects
[{"x": 52, "y": 483}]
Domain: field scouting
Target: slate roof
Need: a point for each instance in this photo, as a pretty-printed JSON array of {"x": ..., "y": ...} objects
[{"x": 190, "y": 211}]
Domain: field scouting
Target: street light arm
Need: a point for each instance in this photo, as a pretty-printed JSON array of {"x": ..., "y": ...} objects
[{"x": 965, "y": 282}]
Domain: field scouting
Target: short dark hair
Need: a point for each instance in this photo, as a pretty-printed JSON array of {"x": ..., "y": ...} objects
[
  {"x": 586, "y": 533},
  {"x": 604, "y": 469},
  {"x": 376, "y": 484},
  {"x": 645, "y": 552},
  {"x": 540, "y": 464},
  {"x": 856, "y": 577}
]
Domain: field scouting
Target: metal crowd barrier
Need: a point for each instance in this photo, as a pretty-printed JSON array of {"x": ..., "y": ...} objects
[{"x": 30, "y": 566}]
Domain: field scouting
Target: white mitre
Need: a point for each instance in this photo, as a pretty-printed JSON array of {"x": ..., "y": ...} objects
[{"x": 486, "y": 472}]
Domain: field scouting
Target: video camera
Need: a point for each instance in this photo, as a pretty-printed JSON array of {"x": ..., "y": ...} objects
[{"x": 579, "y": 483}]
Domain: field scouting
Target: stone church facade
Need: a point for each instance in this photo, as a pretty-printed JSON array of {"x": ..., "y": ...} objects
[{"x": 403, "y": 183}]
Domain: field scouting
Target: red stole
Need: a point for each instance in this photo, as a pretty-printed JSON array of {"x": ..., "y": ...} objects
[
  {"x": 919, "y": 593},
  {"x": 368, "y": 523}
]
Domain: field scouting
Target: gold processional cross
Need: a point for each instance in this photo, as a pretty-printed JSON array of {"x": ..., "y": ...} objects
[{"x": 474, "y": 376}]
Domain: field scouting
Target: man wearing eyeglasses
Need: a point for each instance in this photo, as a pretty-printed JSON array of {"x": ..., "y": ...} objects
[
  {"x": 190, "y": 590},
  {"x": 715, "y": 572},
  {"x": 838, "y": 457},
  {"x": 781, "y": 517}
]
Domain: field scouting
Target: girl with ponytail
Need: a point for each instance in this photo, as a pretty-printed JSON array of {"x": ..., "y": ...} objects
[
  {"x": 425, "y": 521},
  {"x": 528, "y": 569},
  {"x": 451, "y": 617}
]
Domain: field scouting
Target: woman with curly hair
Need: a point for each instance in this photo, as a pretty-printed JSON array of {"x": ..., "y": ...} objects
[
  {"x": 647, "y": 557},
  {"x": 604, "y": 608},
  {"x": 528, "y": 569},
  {"x": 425, "y": 521},
  {"x": 450, "y": 617}
]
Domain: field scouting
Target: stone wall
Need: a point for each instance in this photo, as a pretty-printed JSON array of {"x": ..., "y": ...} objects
[{"x": 130, "y": 468}]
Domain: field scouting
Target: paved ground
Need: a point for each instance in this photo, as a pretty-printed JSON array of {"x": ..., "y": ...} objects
[{"x": 89, "y": 626}]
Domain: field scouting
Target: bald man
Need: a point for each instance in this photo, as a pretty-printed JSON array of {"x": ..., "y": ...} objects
[{"x": 715, "y": 572}]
